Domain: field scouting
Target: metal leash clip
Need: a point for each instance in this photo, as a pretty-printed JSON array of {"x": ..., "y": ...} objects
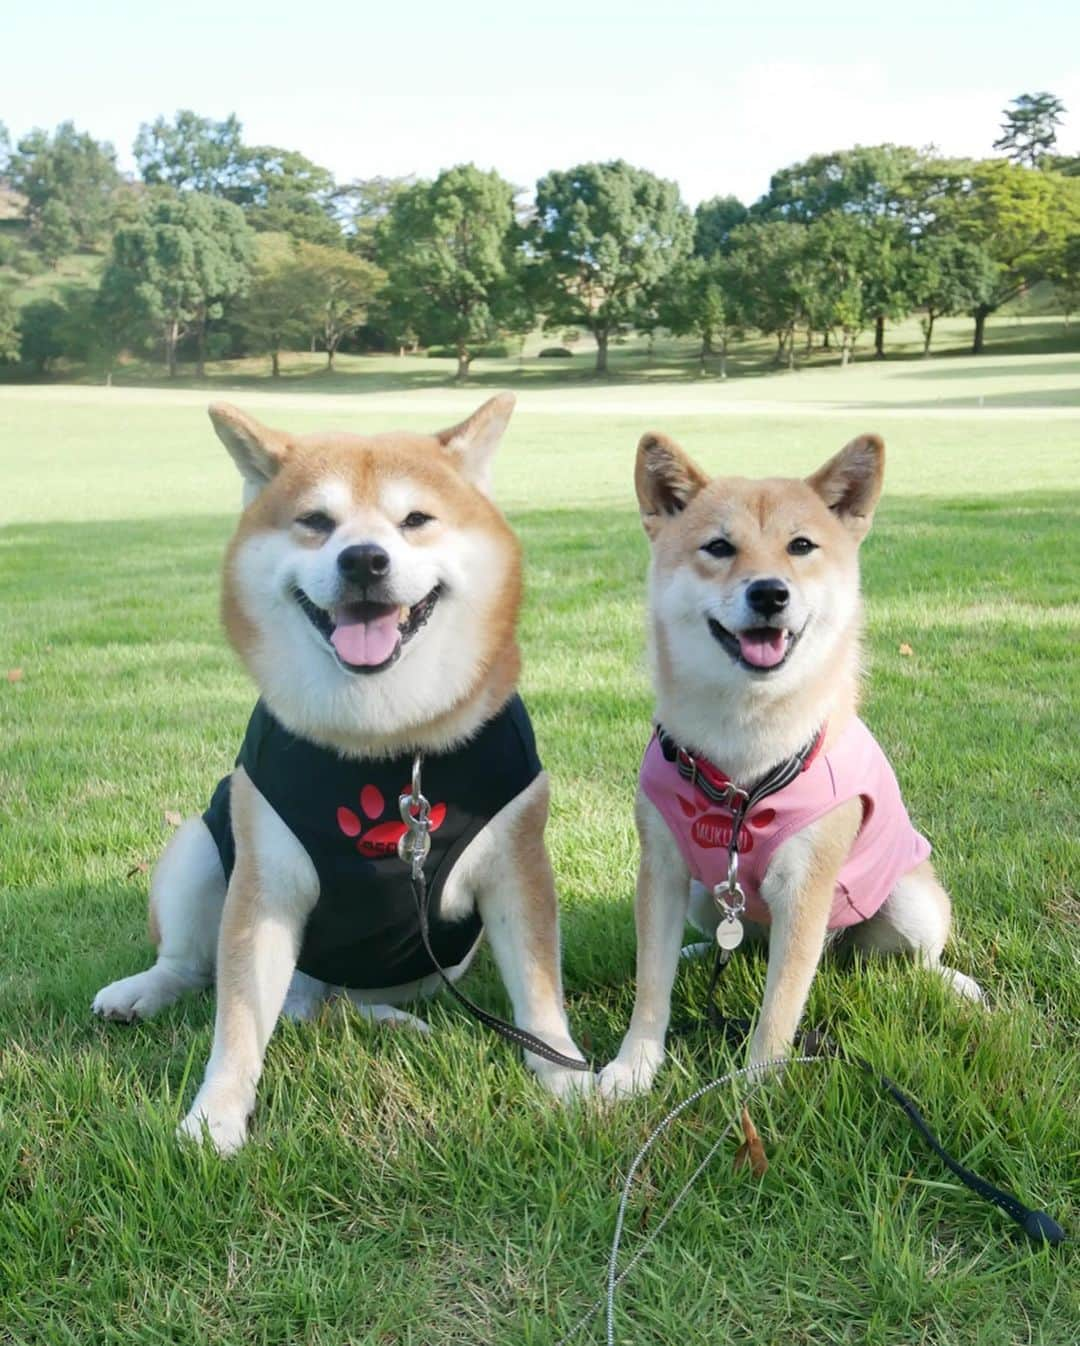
[
  {"x": 731, "y": 900},
  {"x": 414, "y": 845}
]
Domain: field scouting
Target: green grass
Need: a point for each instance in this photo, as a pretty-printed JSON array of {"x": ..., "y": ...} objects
[{"x": 398, "y": 1190}]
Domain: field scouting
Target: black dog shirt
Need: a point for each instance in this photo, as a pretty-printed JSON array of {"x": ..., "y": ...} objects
[{"x": 363, "y": 931}]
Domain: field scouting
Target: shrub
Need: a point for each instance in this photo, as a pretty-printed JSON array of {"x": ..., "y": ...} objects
[
  {"x": 42, "y": 323},
  {"x": 28, "y": 263},
  {"x": 555, "y": 353},
  {"x": 493, "y": 350}
]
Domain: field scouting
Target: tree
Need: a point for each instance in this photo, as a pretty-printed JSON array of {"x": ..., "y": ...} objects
[
  {"x": 605, "y": 237},
  {"x": 342, "y": 289},
  {"x": 281, "y": 308},
  {"x": 868, "y": 180},
  {"x": 284, "y": 192},
  {"x": 1030, "y": 127},
  {"x": 888, "y": 273},
  {"x": 5, "y": 148},
  {"x": 771, "y": 279},
  {"x": 57, "y": 234},
  {"x": 68, "y": 169},
  {"x": 1020, "y": 217},
  {"x": 839, "y": 287},
  {"x": 361, "y": 206},
  {"x": 872, "y": 183},
  {"x": 1064, "y": 271},
  {"x": 192, "y": 153},
  {"x": 280, "y": 190},
  {"x": 449, "y": 248},
  {"x": 9, "y": 330},
  {"x": 175, "y": 265},
  {"x": 951, "y": 276},
  {"x": 696, "y": 299},
  {"x": 713, "y": 222}
]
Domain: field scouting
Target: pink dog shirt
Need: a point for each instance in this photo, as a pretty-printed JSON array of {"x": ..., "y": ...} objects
[{"x": 886, "y": 847}]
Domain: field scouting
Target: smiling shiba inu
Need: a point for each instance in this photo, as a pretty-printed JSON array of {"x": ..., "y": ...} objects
[
  {"x": 372, "y": 590},
  {"x": 754, "y": 636}
]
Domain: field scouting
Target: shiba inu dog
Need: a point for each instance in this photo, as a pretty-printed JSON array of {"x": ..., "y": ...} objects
[
  {"x": 372, "y": 590},
  {"x": 754, "y": 625}
]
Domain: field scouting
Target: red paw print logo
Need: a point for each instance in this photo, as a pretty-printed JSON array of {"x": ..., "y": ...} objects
[
  {"x": 712, "y": 831},
  {"x": 383, "y": 838}
]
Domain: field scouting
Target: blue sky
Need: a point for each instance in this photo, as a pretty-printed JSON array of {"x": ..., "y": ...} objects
[{"x": 714, "y": 95}]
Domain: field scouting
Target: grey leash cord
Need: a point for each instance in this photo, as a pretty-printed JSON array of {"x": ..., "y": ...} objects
[
  {"x": 615, "y": 1277},
  {"x": 1040, "y": 1227}
]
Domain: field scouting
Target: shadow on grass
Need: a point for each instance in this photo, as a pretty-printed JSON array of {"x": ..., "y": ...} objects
[
  {"x": 1045, "y": 399},
  {"x": 988, "y": 368}
]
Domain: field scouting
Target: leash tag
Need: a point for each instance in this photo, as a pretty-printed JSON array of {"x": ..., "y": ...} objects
[{"x": 729, "y": 933}]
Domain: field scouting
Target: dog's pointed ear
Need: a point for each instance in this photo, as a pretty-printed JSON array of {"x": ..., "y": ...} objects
[
  {"x": 472, "y": 444},
  {"x": 850, "y": 482},
  {"x": 256, "y": 450},
  {"x": 666, "y": 479}
]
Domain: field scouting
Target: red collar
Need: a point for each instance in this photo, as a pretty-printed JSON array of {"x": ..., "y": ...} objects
[{"x": 719, "y": 788}]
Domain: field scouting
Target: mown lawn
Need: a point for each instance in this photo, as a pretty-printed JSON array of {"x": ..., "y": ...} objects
[{"x": 401, "y": 1190}]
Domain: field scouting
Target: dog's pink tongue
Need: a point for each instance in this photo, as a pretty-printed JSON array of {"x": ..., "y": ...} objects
[
  {"x": 366, "y": 643},
  {"x": 763, "y": 649}
]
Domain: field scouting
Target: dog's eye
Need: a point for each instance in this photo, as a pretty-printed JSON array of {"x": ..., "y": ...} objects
[
  {"x": 801, "y": 546},
  {"x": 719, "y": 546},
  {"x": 416, "y": 519},
  {"x": 317, "y": 521}
]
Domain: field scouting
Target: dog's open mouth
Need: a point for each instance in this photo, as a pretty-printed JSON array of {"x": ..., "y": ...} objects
[
  {"x": 762, "y": 649},
  {"x": 368, "y": 637}
]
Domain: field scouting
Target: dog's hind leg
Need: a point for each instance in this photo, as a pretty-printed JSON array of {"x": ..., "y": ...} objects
[
  {"x": 389, "y": 1015},
  {"x": 703, "y": 915},
  {"x": 187, "y": 893},
  {"x": 914, "y": 920},
  {"x": 304, "y": 998}
]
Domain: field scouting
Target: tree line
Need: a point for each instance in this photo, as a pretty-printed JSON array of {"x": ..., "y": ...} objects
[{"x": 223, "y": 248}]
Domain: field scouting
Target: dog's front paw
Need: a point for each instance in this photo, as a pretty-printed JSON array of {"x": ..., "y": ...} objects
[
  {"x": 220, "y": 1123},
  {"x": 633, "y": 1070},
  {"x": 966, "y": 987},
  {"x": 564, "y": 1083}
]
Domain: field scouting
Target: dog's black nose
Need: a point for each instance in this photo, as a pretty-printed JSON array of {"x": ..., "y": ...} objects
[
  {"x": 364, "y": 563},
  {"x": 767, "y": 597}
]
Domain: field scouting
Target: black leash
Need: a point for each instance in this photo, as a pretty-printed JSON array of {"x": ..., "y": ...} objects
[
  {"x": 413, "y": 850},
  {"x": 1037, "y": 1224}
]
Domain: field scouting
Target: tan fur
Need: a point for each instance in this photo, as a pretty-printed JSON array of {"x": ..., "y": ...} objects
[
  {"x": 364, "y": 464},
  {"x": 747, "y": 721}
]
